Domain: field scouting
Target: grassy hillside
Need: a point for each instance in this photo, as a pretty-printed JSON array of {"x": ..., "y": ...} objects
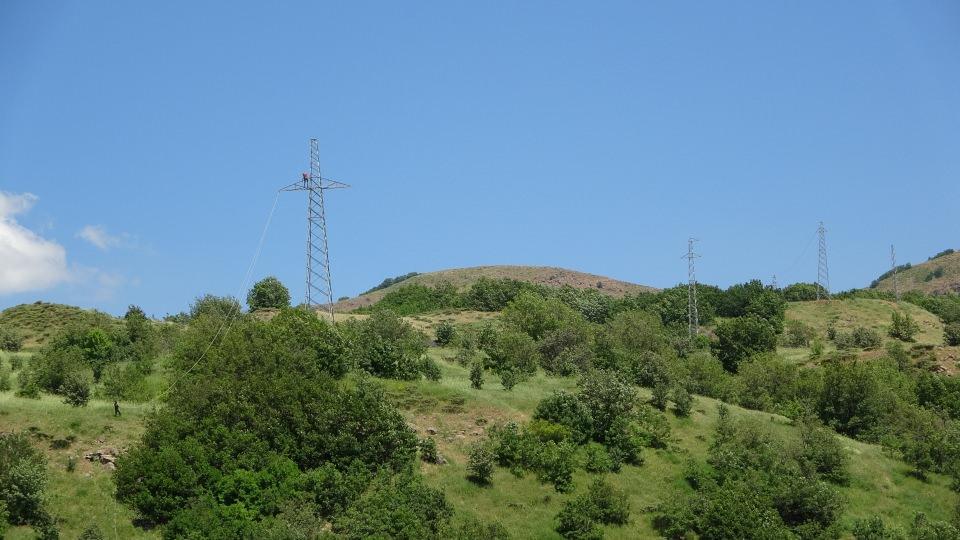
[
  {"x": 936, "y": 276},
  {"x": 462, "y": 278},
  {"x": 40, "y": 321},
  {"x": 460, "y": 415},
  {"x": 875, "y": 314}
]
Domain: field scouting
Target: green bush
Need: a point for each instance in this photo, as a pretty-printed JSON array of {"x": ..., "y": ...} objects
[
  {"x": 386, "y": 346},
  {"x": 874, "y": 529},
  {"x": 660, "y": 395},
  {"x": 597, "y": 459},
  {"x": 601, "y": 504},
  {"x": 865, "y": 338},
  {"x": 23, "y": 479},
  {"x": 682, "y": 401},
  {"x": 476, "y": 375},
  {"x": 395, "y": 506},
  {"x": 268, "y": 293},
  {"x": 5, "y": 384},
  {"x": 555, "y": 464},
  {"x": 514, "y": 352},
  {"x": 431, "y": 369},
  {"x": 740, "y": 338},
  {"x": 10, "y": 339},
  {"x": 819, "y": 452},
  {"x": 445, "y": 333},
  {"x": 902, "y": 326},
  {"x": 428, "y": 450},
  {"x": 91, "y": 533},
  {"x": 566, "y": 409},
  {"x": 480, "y": 464},
  {"x": 607, "y": 397},
  {"x": 798, "y": 334},
  {"x": 625, "y": 440},
  {"x": 951, "y": 334},
  {"x": 510, "y": 378},
  {"x": 75, "y": 389},
  {"x": 470, "y": 528}
]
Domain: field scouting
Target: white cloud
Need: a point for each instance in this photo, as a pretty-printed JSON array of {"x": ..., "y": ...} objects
[
  {"x": 99, "y": 237},
  {"x": 27, "y": 261}
]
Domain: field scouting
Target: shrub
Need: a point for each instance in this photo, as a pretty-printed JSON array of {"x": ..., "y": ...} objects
[
  {"x": 10, "y": 339},
  {"x": 601, "y": 504},
  {"x": 91, "y": 533},
  {"x": 597, "y": 459},
  {"x": 431, "y": 369},
  {"x": 28, "y": 387},
  {"x": 268, "y": 293},
  {"x": 428, "y": 450},
  {"x": 471, "y": 528},
  {"x": 951, "y": 334},
  {"x": 566, "y": 409},
  {"x": 660, "y": 395},
  {"x": 874, "y": 529},
  {"x": 798, "y": 334},
  {"x": 509, "y": 378},
  {"x": 476, "y": 375},
  {"x": 555, "y": 464},
  {"x": 544, "y": 431},
  {"x": 75, "y": 389},
  {"x": 575, "y": 523},
  {"x": 23, "y": 479},
  {"x": 480, "y": 463},
  {"x": 387, "y": 346},
  {"x": 395, "y": 506},
  {"x": 902, "y": 326},
  {"x": 625, "y": 441},
  {"x": 513, "y": 351},
  {"x": 820, "y": 453},
  {"x": 682, "y": 401},
  {"x": 217, "y": 307},
  {"x": 607, "y": 397},
  {"x": 816, "y": 348},
  {"x": 652, "y": 427},
  {"x": 865, "y": 338},
  {"x": 740, "y": 338},
  {"x": 445, "y": 333},
  {"x": 5, "y": 384}
]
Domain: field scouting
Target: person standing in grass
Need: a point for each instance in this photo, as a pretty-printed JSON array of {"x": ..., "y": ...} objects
[{"x": 116, "y": 408}]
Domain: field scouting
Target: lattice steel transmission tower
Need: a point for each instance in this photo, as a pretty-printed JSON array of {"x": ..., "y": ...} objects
[
  {"x": 693, "y": 315},
  {"x": 893, "y": 266},
  {"x": 319, "y": 285},
  {"x": 773, "y": 282},
  {"x": 823, "y": 271}
]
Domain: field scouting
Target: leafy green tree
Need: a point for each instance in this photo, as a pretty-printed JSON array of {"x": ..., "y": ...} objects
[
  {"x": 23, "y": 480},
  {"x": 75, "y": 389},
  {"x": 480, "y": 463},
  {"x": 740, "y": 338},
  {"x": 10, "y": 339},
  {"x": 660, "y": 395},
  {"x": 445, "y": 333},
  {"x": 387, "y": 346},
  {"x": 513, "y": 352},
  {"x": 800, "y": 292},
  {"x": 476, "y": 376},
  {"x": 607, "y": 396},
  {"x": 682, "y": 401},
  {"x": 395, "y": 506},
  {"x": 902, "y": 326},
  {"x": 555, "y": 464},
  {"x": 566, "y": 409},
  {"x": 268, "y": 293},
  {"x": 951, "y": 334}
]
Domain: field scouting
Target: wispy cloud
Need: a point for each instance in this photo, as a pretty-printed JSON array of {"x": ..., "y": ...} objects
[
  {"x": 27, "y": 261},
  {"x": 104, "y": 240}
]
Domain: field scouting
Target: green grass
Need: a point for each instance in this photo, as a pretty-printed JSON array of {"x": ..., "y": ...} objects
[
  {"x": 875, "y": 314},
  {"x": 880, "y": 483},
  {"x": 40, "y": 321},
  {"x": 461, "y": 415}
]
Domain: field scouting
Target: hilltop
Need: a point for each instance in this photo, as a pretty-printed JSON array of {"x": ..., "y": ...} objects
[
  {"x": 462, "y": 278},
  {"x": 938, "y": 275},
  {"x": 39, "y": 321}
]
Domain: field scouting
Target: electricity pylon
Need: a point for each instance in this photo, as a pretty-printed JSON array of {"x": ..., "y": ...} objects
[
  {"x": 319, "y": 285},
  {"x": 893, "y": 266},
  {"x": 823, "y": 271},
  {"x": 693, "y": 315}
]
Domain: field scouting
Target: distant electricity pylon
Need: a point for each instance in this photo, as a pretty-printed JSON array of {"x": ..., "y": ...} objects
[
  {"x": 823, "y": 271},
  {"x": 893, "y": 266},
  {"x": 773, "y": 282},
  {"x": 693, "y": 315},
  {"x": 319, "y": 284}
]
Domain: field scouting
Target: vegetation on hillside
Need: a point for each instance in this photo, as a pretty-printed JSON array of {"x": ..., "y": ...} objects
[{"x": 293, "y": 426}]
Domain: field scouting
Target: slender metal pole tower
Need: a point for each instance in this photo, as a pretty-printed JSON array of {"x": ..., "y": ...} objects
[
  {"x": 823, "y": 271},
  {"x": 773, "y": 282},
  {"x": 693, "y": 315},
  {"x": 893, "y": 266},
  {"x": 319, "y": 285}
]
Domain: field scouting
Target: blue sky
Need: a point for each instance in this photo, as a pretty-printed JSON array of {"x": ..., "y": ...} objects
[{"x": 142, "y": 144}]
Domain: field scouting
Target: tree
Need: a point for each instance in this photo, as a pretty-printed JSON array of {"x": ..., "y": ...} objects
[
  {"x": 445, "y": 333},
  {"x": 951, "y": 334},
  {"x": 740, "y": 338},
  {"x": 902, "y": 326},
  {"x": 268, "y": 293},
  {"x": 476, "y": 376},
  {"x": 513, "y": 351},
  {"x": 10, "y": 339},
  {"x": 23, "y": 479},
  {"x": 480, "y": 464}
]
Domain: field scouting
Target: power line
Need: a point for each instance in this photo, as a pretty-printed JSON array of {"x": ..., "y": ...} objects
[{"x": 319, "y": 284}]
